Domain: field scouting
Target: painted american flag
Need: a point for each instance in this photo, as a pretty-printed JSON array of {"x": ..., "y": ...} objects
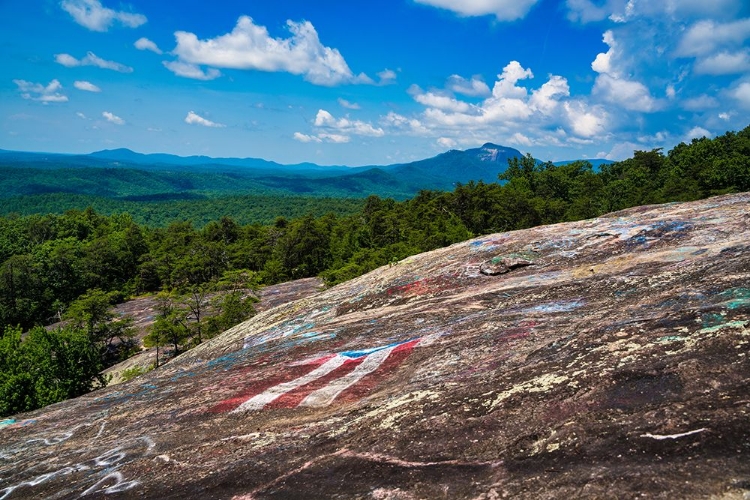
[{"x": 315, "y": 383}]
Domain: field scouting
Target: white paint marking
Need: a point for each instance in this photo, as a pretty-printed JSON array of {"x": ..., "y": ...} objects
[
  {"x": 325, "y": 395},
  {"x": 473, "y": 270},
  {"x": 673, "y": 436},
  {"x": 101, "y": 429},
  {"x": 119, "y": 486},
  {"x": 270, "y": 395}
]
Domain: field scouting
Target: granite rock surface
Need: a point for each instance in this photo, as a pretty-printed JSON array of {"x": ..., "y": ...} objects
[{"x": 606, "y": 358}]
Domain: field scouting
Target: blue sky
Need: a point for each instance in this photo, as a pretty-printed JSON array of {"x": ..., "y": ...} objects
[{"x": 359, "y": 82}]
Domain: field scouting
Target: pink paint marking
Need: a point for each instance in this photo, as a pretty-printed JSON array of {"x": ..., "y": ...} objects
[
  {"x": 346, "y": 375},
  {"x": 293, "y": 398},
  {"x": 257, "y": 386},
  {"x": 372, "y": 380},
  {"x": 259, "y": 401}
]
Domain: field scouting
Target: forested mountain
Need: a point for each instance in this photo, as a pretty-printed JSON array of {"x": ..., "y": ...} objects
[
  {"x": 124, "y": 174},
  {"x": 478, "y": 164}
]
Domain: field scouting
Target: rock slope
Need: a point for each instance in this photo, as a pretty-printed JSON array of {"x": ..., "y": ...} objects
[{"x": 606, "y": 358}]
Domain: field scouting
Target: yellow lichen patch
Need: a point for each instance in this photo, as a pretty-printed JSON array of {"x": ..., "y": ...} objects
[
  {"x": 542, "y": 383},
  {"x": 390, "y": 421},
  {"x": 388, "y": 407},
  {"x": 256, "y": 439}
]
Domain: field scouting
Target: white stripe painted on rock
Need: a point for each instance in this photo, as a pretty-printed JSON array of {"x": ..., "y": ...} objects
[
  {"x": 269, "y": 395},
  {"x": 325, "y": 395}
]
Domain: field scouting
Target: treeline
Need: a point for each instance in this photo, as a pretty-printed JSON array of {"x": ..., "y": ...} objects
[
  {"x": 52, "y": 264},
  {"x": 159, "y": 210}
]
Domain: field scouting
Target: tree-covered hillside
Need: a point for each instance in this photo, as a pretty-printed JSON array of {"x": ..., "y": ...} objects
[{"x": 160, "y": 210}]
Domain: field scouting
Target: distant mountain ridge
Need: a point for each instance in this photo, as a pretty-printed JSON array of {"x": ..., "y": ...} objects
[
  {"x": 129, "y": 156},
  {"x": 126, "y": 173},
  {"x": 477, "y": 164}
]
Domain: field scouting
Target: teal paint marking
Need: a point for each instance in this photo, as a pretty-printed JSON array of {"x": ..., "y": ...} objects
[
  {"x": 710, "y": 320},
  {"x": 7, "y": 422},
  {"x": 731, "y": 324},
  {"x": 736, "y": 298},
  {"x": 672, "y": 338}
]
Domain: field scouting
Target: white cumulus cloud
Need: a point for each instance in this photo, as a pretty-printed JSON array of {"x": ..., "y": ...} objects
[
  {"x": 348, "y": 105},
  {"x": 337, "y": 130},
  {"x": 586, "y": 11},
  {"x": 299, "y": 136},
  {"x": 113, "y": 118},
  {"x": 446, "y": 142},
  {"x": 630, "y": 95},
  {"x": 612, "y": 87},
  {"x": 505, "y": 86},
  {"x": 547, "y": 97},
  {"x": 345, "y": 126},
  {"x": 623, "y": 11},
  {"x": 188, "y": 70},
  {"x": 742, "y": 94},
  {"x": 700, "y": 103},
  {"x": 718, "y": 48},
  {"x": 621, "y": 151},
  {"x": 250, "y": 47},
  {"x": 603, "y": 61},
  {"x": 387, "y": 77},
  {"x": 401, "y": 122},
  {"x": 144, "y": 43},
  {"x": 87, "y": 86},
  {"x": 503, "y": 10},
  {"x": 93, "y": 15},
  {"x": 697, "y": 133},
  {"x": 91, "y": 59},
  {"x": 724, "y": 63},
  {"x": 472, "y": 88},
  {"x": 194, "y": 119},
  {"x": 335, "y": 138},
  {"x": 707, "y": 36},
  {"x": 585, "y": 120},
  {"x": 546, "y": 114},
  {"x": 42, "y": 93},
  {"x": 521, "y": 140},
  {"x": 439, "y": 101}
]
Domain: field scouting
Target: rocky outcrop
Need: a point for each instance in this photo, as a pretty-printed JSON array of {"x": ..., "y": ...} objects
[{"x": 615, "y": 366}]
